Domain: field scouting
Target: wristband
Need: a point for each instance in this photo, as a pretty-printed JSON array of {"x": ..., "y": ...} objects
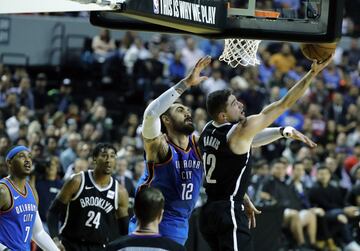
[{"x": 287, "y": 131}]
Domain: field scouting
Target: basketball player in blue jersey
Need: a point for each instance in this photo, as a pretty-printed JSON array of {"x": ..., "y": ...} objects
[
  {"x": 226, "y": 143},
  {"x": 19, "y": 217},
  {"x": 173, "y": 162}
]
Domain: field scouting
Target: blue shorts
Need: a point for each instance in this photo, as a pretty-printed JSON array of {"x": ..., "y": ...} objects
[{"x": 170, "y": 228}]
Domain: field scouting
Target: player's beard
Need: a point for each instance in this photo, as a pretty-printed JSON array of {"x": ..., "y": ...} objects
[
  {"x": 107, "y": 169},
  {"x": 185, "y": 128}
]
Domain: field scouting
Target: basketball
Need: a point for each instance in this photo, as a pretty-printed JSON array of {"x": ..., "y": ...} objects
[{"x": 319, "y": 52}]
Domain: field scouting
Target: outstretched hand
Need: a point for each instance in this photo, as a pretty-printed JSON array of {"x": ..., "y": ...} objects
[
  {"x": 194, "y": 77},
  {"x": 319, "y": 66},
  {"x": 251, "y": 211},
  {"x": 296, "y": 135}
]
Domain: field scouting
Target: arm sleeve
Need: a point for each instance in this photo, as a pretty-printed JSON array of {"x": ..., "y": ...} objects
[
  {"x": 151, "y": 127},
  {"x": 123, "y": 225},
  {"x": 41, "y": 238},
  {"x": 266, "y": 136},
  {"x": 3, "y": 247},
  {"x": 56, "y": 209}
]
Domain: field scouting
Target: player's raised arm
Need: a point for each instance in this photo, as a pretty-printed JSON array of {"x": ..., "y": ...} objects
[
  {"x": 271, "y": 134},
  {"x": 154, "y": 142},
  {"x": 269, "y": 114}
]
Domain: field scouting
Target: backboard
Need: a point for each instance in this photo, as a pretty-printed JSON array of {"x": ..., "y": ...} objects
[{"x": 298, "y": 20}]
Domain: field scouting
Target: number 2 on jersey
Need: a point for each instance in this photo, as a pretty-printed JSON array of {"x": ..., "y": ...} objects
[
  {"x": 209, "y": 161},
  {"x": 93, "y": 220}
]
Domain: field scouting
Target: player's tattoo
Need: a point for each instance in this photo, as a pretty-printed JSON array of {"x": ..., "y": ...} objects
[{"x": 180, "y": 87}]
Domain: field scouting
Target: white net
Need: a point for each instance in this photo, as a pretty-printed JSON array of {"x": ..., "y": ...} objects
[{"x": 240, "y": 52}]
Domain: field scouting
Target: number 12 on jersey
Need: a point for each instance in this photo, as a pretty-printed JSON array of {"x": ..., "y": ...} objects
[
  {"x": 187, "y": 189},
  {"x": 209, "y": 164}
]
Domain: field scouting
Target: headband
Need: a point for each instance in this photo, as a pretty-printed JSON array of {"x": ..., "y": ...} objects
[{"x": 15, "y": 151}]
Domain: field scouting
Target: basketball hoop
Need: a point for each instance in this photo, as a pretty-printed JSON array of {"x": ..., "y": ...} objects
[{"x": 243, "y": 51}]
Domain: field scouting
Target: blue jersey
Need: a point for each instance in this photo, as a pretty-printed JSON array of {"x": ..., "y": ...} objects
[
  {"x": 17, "y": 222},
  {"x": 179, "y": 179}
]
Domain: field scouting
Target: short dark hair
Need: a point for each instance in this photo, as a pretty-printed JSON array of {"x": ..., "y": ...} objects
[
  {"x": 216, "y": 102},
  {"x": 100, "y": 148},
  {"x": 47, "y": 139},
  {"x": 167, "y": 113},
  {"x": 149, "y": 202}
]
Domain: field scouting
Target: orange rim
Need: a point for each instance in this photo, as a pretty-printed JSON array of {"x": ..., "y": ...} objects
[{"x": 267, "y": 13}]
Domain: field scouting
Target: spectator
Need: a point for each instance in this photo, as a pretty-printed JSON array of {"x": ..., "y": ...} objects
[
  {"x": 12, "y": 104},
  {"x": 124, "y": 176},
  {"x": 176, "y": 68},
  {"x": 4, "y": 144},
  {"x": 14, "y": 122},
  {"x": 293, "y": 117},
  {"x": 333, "y": 77},
  {"x": 260, "y": 175},
  {"x": 65, "y": 97},
  {"x": 308, "y": 178},
  {"x": 191, "y": 53},
  {"x": 79, "y": 165},
  {"x": 284, "y": 60},
  {"x": 102, "y": 123},
  {"x": 354, "y": 53},
  {"x": 211, "y": 47},
  {"x": 26, "y": 96},
  {"x": 254, "y": 98},
  {"x": 40, "y": 92},
  {"x": 324, "y": 238},
  {"x": 48, "y": 187},
  {"x": 266, "y": 70},
  {"x": 330, "y": 198},
  {"x": 88, "y": 133},
  {"x": 51, "y": 146},
  {"x": 139, "y": 168},
  {"x": 295, "y": 218},
  {"x": 69, "y": 155},
  {"x": 214, "y": 83},
  {"x": 102, "y": 45},
  {"x": 148, "y": 73},
  {"x": 136, "y": 51}
]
